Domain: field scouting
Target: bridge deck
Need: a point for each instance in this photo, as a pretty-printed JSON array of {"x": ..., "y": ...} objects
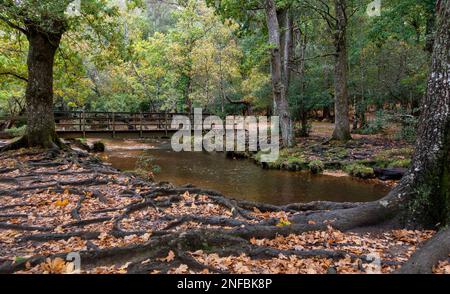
[{"x": 76, "y": 124}]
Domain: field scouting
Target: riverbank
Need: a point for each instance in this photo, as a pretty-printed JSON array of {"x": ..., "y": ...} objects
[
  {"x": 55, "y": 203},
  {"x": 368, "y": 157},
  {"x": 241, "y": 179}
]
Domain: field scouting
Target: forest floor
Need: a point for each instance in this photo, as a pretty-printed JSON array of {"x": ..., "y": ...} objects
[{"x": 55, "y": 203}]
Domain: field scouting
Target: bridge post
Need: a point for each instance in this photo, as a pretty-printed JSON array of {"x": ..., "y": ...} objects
[
  {"x": 166, "y": 122},
  {"x": 159, "y": 121},
  {"x": 113, "y": 125},
  {"x": 141, "y": 121},
  {"x": 83, "y": 123}
]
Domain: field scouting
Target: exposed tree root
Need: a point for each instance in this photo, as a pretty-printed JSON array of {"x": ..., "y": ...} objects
[
  {"x": 434, "y": 250},
  {"x": 65, "y": 236},
  {"x": 23, "y": 227},
  {"x": 23, "y": 142},
  {"x": 213, "y": 233},
  {"x": 86, "y": 222},
  {"x": 18, "y": 144}
]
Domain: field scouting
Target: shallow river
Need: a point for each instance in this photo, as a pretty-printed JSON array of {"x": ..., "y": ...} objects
[{"x": 240, "y": 179}]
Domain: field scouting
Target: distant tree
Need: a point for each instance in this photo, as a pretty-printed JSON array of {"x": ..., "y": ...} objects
[
  {"x": 336, "y": 13},
  {"x": 277, "y": 20}
]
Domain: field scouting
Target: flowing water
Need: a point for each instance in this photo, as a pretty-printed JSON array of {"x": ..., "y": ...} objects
[{"x": 239, "y": 179}]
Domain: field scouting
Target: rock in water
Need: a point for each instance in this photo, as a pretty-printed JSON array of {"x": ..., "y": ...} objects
[{"x": 98, "y": 147}]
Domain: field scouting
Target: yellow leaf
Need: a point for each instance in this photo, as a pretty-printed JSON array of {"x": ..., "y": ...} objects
[
  {"x": 283, "y": 222},
  {"x": 62, "y": 203},
  {"x": 88, "y": 194}
]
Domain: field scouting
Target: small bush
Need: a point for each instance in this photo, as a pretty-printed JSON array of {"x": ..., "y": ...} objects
[
  {"x": 143, "y": 174},
  {"x": 360, "y": 171},
  {"x": 82, "y": 140},
  {"x": 156, "y": 169},
  {"x": 294, "y": 163},
  {"x": 316, "y": 166},
  {"x": 146, "y": 164}
]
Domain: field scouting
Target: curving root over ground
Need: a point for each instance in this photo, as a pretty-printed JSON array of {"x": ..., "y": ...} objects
[{"x": 55, "y": 203}]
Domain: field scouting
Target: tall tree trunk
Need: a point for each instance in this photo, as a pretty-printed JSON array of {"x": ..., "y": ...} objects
[
  {"x": 342, "y": 122},
  {"x": 279, "y": 90},
  {"x": 39, "y": 93},
  {"x": 301, "y": 41},
  {"x": 286, "y": 44},
  {"x": 430, "y": 173},
  {"x": 431, "y": 162}
]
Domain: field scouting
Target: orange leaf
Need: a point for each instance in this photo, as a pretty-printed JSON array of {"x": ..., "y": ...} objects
[
  {"x": 62, "y": 203},
  {"x": 170, "y": 256}
]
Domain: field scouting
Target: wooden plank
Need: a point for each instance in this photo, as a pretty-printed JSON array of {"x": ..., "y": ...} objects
[
  {"x": 113, "y": 125},
  {"x": 141, "y": 118}
]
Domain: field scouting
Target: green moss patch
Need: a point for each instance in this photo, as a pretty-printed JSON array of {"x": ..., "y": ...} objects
[{"x": 360, "y": 171}]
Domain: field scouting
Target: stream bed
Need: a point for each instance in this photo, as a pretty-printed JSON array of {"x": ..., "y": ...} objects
[{"x": 240, "y": 179}]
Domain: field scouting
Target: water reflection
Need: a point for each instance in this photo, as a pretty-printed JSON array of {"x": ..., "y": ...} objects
[{"x": 240, "y": 178}]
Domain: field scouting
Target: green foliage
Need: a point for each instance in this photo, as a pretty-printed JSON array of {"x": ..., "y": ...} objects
[
  {"x": 359, "y": 171},
  {"x": 401, "y": 163},
  {"x": 145, "y": 168},
  {"x": 316, "y": 166},
  {"x": 408, "y": 129},
  {"x": 156, "y": 169},
  {"x": 394, "y": 158},
  {"x": 156, "y": 56},
  {"x": 20, "y": 259},
  {"x": 375, "y": 126},
  {"x": 16, "y": 132},
  {"x": 404, "y": 20}
]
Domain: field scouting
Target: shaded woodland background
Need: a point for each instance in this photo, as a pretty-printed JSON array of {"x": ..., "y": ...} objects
[{"x": 175, "y": 55}]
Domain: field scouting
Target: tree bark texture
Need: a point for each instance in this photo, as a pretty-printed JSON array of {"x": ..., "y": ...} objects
[
  {"x": 342, "y": 122},
  {"x": 279, "y": 89},
  {"x": 40, "y": 130}
]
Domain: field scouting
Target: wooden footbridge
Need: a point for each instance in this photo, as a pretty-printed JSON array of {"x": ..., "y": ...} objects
[
  {"x": 94, "y": 124},
  {"x": 75, "y": 124}
]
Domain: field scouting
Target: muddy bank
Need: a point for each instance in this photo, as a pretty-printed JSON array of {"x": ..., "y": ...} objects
[{"x": 363, "y": 158}]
